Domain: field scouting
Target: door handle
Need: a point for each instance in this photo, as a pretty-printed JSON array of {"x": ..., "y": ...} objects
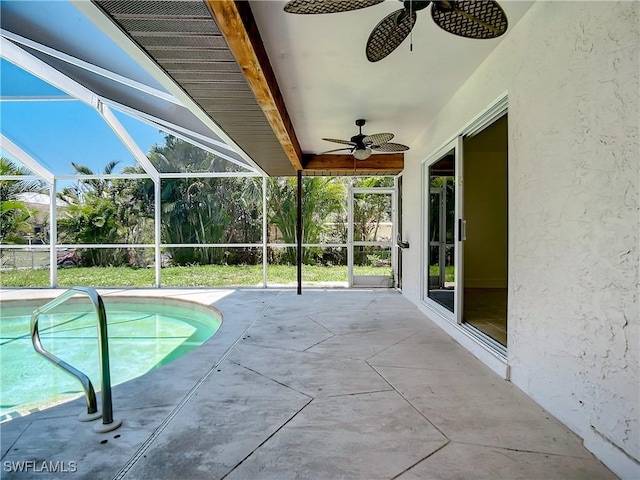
[
  {"x": 400, "y": 243},
  {"x": 462, "y": 230}
]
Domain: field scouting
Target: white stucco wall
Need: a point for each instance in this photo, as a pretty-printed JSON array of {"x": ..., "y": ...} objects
[{"x": 571, "y": 71}]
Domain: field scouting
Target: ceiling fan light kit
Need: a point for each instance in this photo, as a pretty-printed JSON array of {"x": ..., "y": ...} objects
[
  {"x": 361, "y": 153},
  {"x": 477, "y": 19}
]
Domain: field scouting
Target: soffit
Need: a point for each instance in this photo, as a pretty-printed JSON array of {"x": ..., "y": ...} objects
[{"x": 185, "y": 41}]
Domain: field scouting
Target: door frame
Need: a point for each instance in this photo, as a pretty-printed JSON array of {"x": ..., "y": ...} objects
[
  {"x": 367, "y": 281},
  {"x": 398, "y": 184},
  {"x": 454, "y": 145}
]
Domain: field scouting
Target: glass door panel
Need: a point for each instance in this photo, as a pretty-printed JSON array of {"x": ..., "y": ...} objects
[
  {"x": 372, "y": 232},
  {"x": 372, "y": 260},
  {"x": 372, "y": 220},
  {"x": 441, "y": 215}
]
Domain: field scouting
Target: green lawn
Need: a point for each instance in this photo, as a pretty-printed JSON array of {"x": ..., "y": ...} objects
[
  {"x": 193, "y": 276},
  {"x": 449, "y": 272}
]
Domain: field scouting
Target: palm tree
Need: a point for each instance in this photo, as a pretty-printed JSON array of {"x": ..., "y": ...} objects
[
  {"x": 95, "y": 186},
  {"x": 14, "y": 212},
  {"x": 91, "y": 215},
  {"x": 322, "y": 197}
]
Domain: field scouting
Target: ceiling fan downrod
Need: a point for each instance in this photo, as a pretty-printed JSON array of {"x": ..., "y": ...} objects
[{"x": 411, "y": 6}]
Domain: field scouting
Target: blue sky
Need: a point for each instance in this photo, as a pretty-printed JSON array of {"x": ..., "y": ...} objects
[{"x": 59, "y": 132}]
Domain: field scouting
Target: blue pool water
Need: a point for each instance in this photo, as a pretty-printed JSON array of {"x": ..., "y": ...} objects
[{"x": 144, "y": 334}]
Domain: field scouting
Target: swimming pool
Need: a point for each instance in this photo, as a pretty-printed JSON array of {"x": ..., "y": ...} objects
[{"x": 144, "y": 334}]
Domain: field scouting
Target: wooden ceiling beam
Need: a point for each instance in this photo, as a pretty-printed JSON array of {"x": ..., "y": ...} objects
[
  {"x": 236, "y": 23},
  {"x": 388, "y": 164}
]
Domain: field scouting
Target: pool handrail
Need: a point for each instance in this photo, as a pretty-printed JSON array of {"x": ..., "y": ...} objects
[{"x": 103, "y": 350}]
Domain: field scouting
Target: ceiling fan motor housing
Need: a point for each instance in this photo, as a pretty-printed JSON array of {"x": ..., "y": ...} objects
[
  {"x": 357, "y": 139},
  {"x": 416, "y": 5}
]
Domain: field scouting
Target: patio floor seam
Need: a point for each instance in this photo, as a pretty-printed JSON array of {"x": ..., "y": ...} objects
[
  {"x": 275, "y": 432},
  {"x": 190, "y": 394},
  {"x": 422, "y": 460},
  {"x": 410, "y": 403}
]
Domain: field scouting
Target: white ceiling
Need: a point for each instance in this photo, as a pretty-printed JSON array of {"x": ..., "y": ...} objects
[{"x": 327, "y": 82}]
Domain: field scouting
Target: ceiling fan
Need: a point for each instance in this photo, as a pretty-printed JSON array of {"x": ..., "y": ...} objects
[
  {"x": 478, "y": 19},
  {"x": 361, "y": 145}
]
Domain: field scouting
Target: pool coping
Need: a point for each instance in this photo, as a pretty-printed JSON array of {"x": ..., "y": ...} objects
[{"x": 186, "y": 306}]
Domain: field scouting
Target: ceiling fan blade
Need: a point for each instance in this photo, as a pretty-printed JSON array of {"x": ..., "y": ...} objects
[
  {"x": 337, "y": 140},
  {"x": 312, "y": 7},
  {"x": 377, "y": 138},
  {"x": 389, "y": 34},
  {"x": 470, "y": 18},
  {"x": 337, "y": 150},
  {"x": 390, "y": 147}
]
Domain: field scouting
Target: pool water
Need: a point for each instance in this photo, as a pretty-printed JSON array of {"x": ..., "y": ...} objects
[{"x": 142, "y": 336}]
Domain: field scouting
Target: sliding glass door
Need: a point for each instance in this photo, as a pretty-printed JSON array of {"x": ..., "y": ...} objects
[
  {"x": 465, "y": 207},
  {"x": 442, "y": 209}
]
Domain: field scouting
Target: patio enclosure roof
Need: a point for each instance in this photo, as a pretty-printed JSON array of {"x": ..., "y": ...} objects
[{"x": 256, "y": 86}]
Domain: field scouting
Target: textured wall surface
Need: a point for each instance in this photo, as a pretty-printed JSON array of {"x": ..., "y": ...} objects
[{"x": 571, "y": 70}]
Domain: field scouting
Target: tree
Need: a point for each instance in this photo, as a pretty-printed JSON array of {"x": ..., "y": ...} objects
[
  {"x": 108, "y": 210},
  {"x": 90, "y": 216},
  {"x": 14, "y": 213},
  {"x": 369, "y": 211},
  {"x": 135, "y": 204},
  {"x": 371, "y": 208},
  {"x": 322, "y": 196},
  {"x": 206, "y": 210}
]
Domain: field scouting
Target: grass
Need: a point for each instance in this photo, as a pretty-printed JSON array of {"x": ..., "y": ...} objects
[
  {"x": 192, "y": 276},
  {"x": 449, "y": 272}
]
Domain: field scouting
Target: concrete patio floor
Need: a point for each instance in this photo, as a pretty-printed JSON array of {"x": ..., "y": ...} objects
[{"x": 333, "y": 384}]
